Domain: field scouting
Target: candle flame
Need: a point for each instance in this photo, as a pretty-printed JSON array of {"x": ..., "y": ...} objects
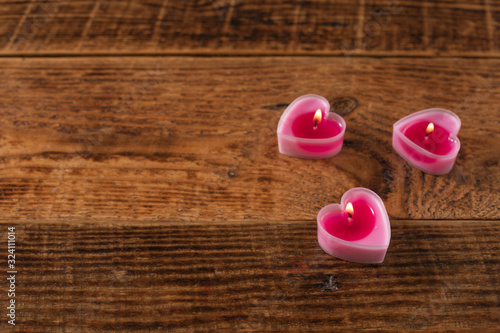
[
  {"x": 430, "y": 128},
  {"x": 349, "y": 209},
  {"x": 318, "y": 116}
]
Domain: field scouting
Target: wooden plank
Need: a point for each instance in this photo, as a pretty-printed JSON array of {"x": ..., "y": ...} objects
[
  {"x": 251, "y": 276},
  {"x": 195, "y": 138},
  {"x": 361, "y": 27}
]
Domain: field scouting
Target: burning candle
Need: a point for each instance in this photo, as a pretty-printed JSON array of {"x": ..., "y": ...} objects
[
  {"x": 308, "y": 129},
  {"x": 358, "y": 229},
  {"x": 428, "y": 140}
]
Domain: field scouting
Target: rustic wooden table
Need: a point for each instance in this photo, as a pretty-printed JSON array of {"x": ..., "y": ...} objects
[{"x": 141, "y": 171}]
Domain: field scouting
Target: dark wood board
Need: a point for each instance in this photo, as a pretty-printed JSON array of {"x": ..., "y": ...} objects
[
  {"x": 380, "y": 28},
  {"x": 193, "y": 138},
  {"x": 253, "y": 276}
]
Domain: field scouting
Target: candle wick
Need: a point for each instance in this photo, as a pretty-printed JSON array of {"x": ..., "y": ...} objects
[
  {"x": 315, "y": 124},
  {"x": 350, "y": 216}
]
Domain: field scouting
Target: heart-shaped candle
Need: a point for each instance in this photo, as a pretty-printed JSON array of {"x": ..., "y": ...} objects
[
  {"x": 428, "y": 140},
  {"x": 308, "y": 129},
  {"x": 358, "y": 229}
]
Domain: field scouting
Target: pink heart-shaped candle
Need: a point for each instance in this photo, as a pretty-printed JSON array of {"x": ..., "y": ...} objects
[
  {"x": 428, "y": 140},
  {"x": 358, "y": 229},
  {"x": 308, "y": 129}
]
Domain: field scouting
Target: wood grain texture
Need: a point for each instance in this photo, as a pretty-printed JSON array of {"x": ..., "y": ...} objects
[
  {"x": 195, "y": 138},
  {"x": 250, "y": 276},
  {"x": 361, "y": 27},
  {"x": 148, "y": 194}
]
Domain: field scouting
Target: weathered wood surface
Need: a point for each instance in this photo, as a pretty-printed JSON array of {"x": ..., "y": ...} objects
[
  {"x": 194, "y": 139},
  {"x": 148, "y": 193},
  {"x": 423, "y": 28},
  {"x": 252, "y": 276}
]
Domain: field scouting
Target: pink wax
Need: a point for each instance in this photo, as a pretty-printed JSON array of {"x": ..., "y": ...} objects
[
  {"x": 435, "y": 142},
  {"x": 300, "y": 136},
  {"x": 351, "y": 228},
  {"x": 325, "y": 129},
  {"x": 364, "y": 237},
  {"x": 434, "y": 153}
]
